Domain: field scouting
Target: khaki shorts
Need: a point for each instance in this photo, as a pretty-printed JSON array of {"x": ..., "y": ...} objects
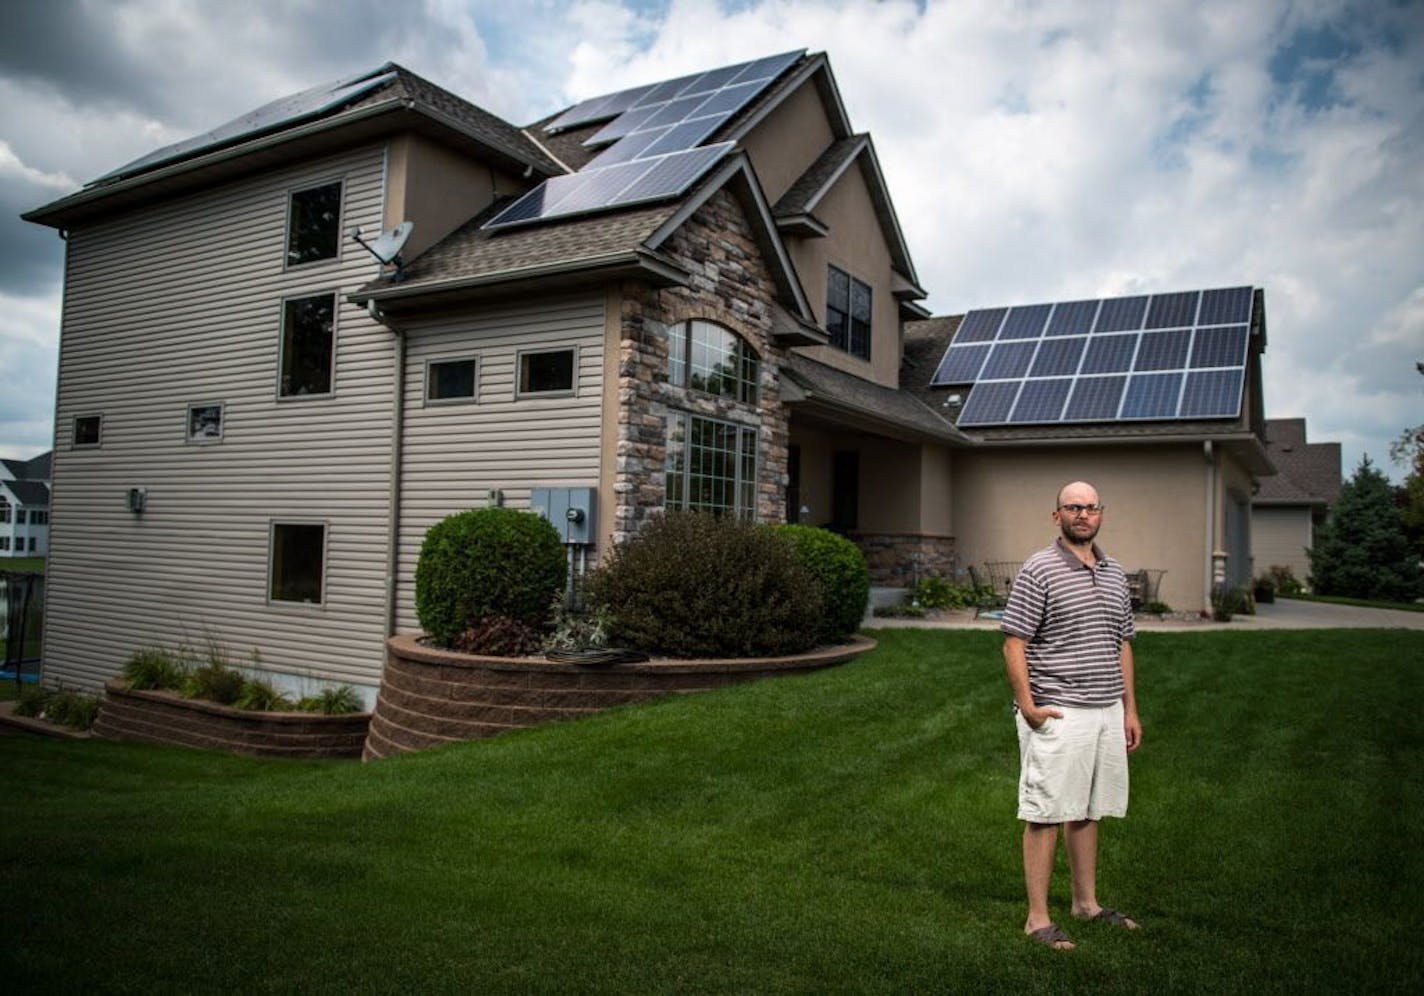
[{"x": 1073, "y": 768}]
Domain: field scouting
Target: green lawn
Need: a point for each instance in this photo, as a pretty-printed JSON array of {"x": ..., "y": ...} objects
[
  {"x": 846, "y": 831},
  {"x": 1361, "y": 602}
]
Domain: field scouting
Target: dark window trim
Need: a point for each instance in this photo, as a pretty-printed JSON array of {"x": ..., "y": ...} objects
[
  {"x": 570, "y": 392},
  {"x": 843, "y": 342},
  {"x": 472, "y": 399},
  {"x": 292, "y": 192}
]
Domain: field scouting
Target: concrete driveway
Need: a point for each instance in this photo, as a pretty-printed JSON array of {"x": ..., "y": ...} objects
[{"x": 1284, "y": 613}]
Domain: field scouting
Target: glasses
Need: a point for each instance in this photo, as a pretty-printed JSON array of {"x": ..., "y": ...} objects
[{"x": 1075, "y": 509}]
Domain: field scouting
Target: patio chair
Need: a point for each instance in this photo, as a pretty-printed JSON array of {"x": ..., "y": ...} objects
[
  {"x": 1001, "y": 575},
  {"x": 986, "y": 604}
]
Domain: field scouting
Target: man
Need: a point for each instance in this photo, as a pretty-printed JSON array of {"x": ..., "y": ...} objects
[{"x": 1068, "y": 651}]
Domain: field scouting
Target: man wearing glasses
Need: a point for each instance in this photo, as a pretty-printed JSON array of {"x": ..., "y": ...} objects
[{"x": 1068, "y": 650}]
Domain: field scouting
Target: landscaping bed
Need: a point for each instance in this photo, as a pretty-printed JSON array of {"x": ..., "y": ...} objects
[
  {"x": 162, "y": 717},
  {"x": 430, "y": 697}
]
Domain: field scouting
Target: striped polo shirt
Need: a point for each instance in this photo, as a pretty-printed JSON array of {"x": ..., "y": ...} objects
[{"x": 1074, "y": 619}]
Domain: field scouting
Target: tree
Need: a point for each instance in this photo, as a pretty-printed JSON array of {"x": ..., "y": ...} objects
[
  {"x": 1408, "y": 451},
  {"x": 1362, "y": 550}
]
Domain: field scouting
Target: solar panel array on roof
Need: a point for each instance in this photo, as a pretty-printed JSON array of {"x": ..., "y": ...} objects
[
  {"x": 1162, "y": 356},
  {"x": 662, "y": 125}
]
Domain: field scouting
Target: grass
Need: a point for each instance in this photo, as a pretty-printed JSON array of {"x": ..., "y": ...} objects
[
  {"x": 846, "y": 831},
  {"x": 1361, "y": 602}
]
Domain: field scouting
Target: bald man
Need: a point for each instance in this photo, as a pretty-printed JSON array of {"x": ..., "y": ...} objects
[{"x": 1068, "y": 651}]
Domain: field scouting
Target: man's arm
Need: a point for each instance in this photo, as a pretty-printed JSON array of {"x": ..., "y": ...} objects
[
  {"x": 1131, "y": 725},
  {"x": 1016, "y": 664}
]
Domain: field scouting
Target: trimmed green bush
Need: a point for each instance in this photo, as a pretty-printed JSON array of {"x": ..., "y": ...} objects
[
  {"x": 699, "y": 585},
  {"x": 486, "y": 562},
  {"x": 839, "y": 568}
]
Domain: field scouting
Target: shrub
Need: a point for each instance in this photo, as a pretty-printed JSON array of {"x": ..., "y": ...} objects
[
  {"x": 75, "y": 710},
  {"x": 486, "y": 562},
  {"x": 215, "y": 682},
  {"x": 575, "y": 631},
  {"x": 499, "y": 636},
  {"x": 941, "y": 593},
  {"x": 32, "y": 700},
  {"x": 1157, "y": 608},
  {"x": 340, "y": 701},
  {"x": 1228, "y": 602},
  {"x": 839, "y": 568},
  {"x": 699, "y": 585},
  {"x": 905, "y": 610},
  {"x": 1285, "y": 580},
  {"x": 259, "y": 695},
  {"x": 154, "y": 669}
]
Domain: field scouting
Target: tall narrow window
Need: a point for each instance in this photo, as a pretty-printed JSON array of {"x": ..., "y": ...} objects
[
  {"x": 298, "y": 562},
  {"x": 314, "y": 224},
  {"x": 848, "y": 309},
  {"x": 308, "y": 329}
]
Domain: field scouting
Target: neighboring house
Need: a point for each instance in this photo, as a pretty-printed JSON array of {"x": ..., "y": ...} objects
[
  {"x": 692, "y": 294},
  {"x": 24, "y": 507},
  {"x": 1289, "y": 505}
]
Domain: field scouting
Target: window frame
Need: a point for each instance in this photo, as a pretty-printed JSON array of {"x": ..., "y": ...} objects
[
  {"x": 272, "y": 526},
  {"x": 570, "y": 392},
  {"x": 188, "y": 436},
  {"x": 681, "y": 369},
  {"x": 292, "y": 194},
  {"x": 474, "y": 396},
  {"x": 845, "y": 342},
  {"x": 282, "y": 345},
  {"x": 746, "y": 471},
  {"x": 74, "y": 443}
]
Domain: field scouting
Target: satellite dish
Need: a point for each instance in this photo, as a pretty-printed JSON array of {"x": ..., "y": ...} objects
[{"x": 387, "y": 247}]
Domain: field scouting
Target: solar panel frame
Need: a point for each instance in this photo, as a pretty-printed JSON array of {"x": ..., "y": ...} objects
[
  {"x": 1072, "y": 318},
  {"x": 1009, "y": 359},
  {"x": 1059, "y": 357},
  {"x": 1095, "y": 399},
  {"x": 1152, "y": 396},
  {"x": 1025, "y": 322},
  {"x": 1172, "y": 311},
  {"x": 1121, "y": 314},
  {"x": 980, "y": 325},
  {"x": 1222, "y": 346},
  {"x": 1041, "y": 400},
  {"x": 1109, "y": 353},
  {"x": 1226, "y": 306},
  {"x": 961, "y": 364},
  {"x": 989, "y": 402},
  {"x": 1163, "y": 350},
  {"x": 1212, "y": 394}
]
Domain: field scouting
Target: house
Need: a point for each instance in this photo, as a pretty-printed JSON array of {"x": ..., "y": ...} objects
[
  {"x": 689, "y": 294},
  {"x": 1289, "y": 505},
  {"x": 24, "y": 507}
]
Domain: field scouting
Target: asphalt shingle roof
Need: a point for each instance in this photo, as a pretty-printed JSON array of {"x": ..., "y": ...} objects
[
  {"x": 809, "y": 183},
  {"x": 847, "y": 391},
  {"x": 29, "y": 493},
  {"x": 1309, "y": 472}
]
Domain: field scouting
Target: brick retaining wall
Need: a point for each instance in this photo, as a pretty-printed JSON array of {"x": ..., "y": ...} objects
[
  {"x": 431, "y": 697},
  {"x": 167, "y": 718}
]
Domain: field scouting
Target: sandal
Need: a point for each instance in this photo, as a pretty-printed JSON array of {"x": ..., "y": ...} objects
[
  {"x": 1113, "y": 917},
  {"x": 1051, "y": 936}
]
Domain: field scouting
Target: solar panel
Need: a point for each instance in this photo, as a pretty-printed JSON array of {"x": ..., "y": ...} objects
[
  {"x": 650, "y": 125},
  {"x": 1163, "y": 356}
]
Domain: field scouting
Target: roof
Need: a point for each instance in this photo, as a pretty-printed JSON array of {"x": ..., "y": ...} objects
[
  {"x": 28, "y": 493},
  {"x": 1309, "y": 473},
  {"x": 815, "y": 385},
  {"x": 33, "y": 469}
]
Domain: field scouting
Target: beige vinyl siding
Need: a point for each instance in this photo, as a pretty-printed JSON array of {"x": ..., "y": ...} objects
[
  {"x": 181, "y": 303},
  {"x": 454, "y": 454}
]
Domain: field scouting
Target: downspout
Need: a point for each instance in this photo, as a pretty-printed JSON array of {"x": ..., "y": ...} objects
[
  {"x": 1208, "y": 561},
  {"x": 394, "y": 497}
]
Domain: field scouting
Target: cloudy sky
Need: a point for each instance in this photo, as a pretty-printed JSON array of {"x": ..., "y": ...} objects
[{"x": 1036, "y": 151}]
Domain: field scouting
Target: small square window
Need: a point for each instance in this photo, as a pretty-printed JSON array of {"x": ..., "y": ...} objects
[
  {"x": 205, "y": 423},
  {"x": 298, "y": 558},
  {"x": 546, "y": 372},
  {"x": 450, "y": 380},
  {"x": 314, "y": 224},
  {"x": 87, "y": 430},
  {"x": 308, "y": 341}
]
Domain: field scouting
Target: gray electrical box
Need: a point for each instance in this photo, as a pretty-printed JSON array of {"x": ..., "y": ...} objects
[{"x": 573, "y": 511}]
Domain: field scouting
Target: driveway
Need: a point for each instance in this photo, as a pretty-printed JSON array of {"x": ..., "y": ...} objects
[{"x": 1284, "y": 613}]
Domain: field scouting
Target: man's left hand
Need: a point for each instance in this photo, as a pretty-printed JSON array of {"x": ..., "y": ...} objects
[{"x": 1132, "y": 729}]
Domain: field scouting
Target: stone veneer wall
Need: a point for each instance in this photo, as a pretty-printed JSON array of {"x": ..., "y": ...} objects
[
  {"x": 891, "y": 556},
  {"x": 732, "y": 286}
]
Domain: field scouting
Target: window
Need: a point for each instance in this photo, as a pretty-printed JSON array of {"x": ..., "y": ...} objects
[
  {"x": 848, "y": 313},
  {"x": 449, "y": 380},
  {"x": 4, "y": 542},
  {"x": 298, "y": 555},
  {"x": 308, "y": 327},
  {"x": 87, "y": 430},
  {"x": 4, "y": 510},
  {"x": 711, "y": 465},
  {"x": 314, "y": 224},
  {"x": 19, "y": 516},
  {"x": 32, "y": 544},
  {"x": 546, "y": 372},
  {"x": 39, "y": 518},
  {"x": 706, "y": 357},
  {"x": 205, "y": 423}
]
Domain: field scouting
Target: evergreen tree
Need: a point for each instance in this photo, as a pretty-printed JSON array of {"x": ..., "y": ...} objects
[
  {"x": 1408, "y": 451},
  {"x": 1362, "y": 550}
]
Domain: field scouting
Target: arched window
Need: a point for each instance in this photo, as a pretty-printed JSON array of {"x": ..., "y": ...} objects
[{"x": 708, "y": 358}]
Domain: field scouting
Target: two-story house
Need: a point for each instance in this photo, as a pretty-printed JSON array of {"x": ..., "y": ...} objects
[
  {"x": 24, "y": 507},
  {"x": 689, "y": 294}
]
